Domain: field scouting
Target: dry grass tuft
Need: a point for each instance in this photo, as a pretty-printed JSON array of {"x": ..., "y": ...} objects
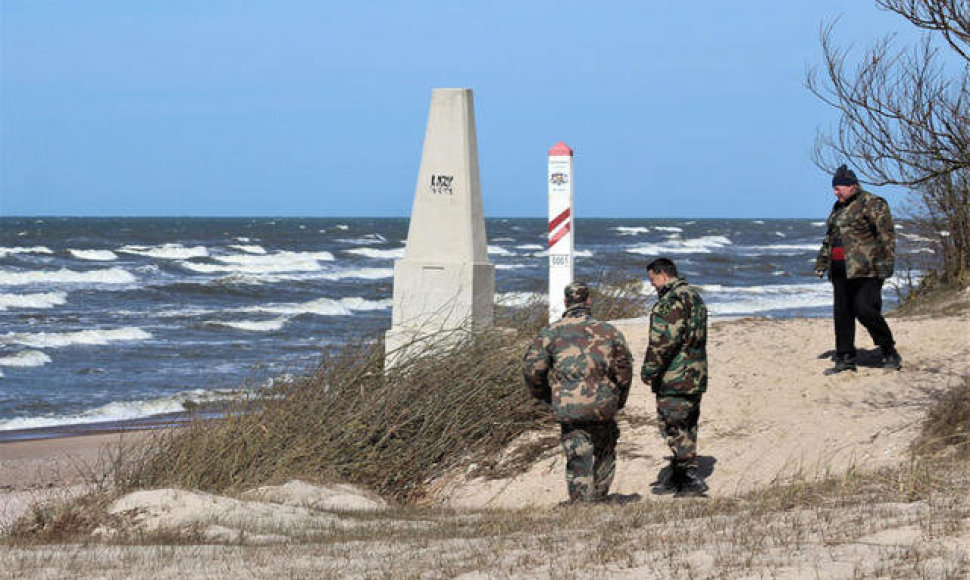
[{"x": 947, "y": 423}]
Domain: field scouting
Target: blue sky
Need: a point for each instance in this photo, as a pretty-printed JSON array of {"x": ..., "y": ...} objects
[{"x": 318, "y": 108}]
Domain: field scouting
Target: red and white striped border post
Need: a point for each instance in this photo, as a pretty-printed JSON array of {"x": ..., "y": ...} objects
[{"x": 560, "y": 226}]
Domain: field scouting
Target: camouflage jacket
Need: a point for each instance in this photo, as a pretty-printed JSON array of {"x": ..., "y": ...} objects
[
  {"x": 676, "y": 358},
  {"x": 581, "y": 366},
  {"x": 865, "y": 226}
]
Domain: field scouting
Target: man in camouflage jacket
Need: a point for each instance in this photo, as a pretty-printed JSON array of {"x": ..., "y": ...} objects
[
  {"x": 583, "y": 368},
  {"x": 675, "y": 367},
  {"x": 857, "y": 253}
]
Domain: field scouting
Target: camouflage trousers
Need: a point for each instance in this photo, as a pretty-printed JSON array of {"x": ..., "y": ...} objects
[
  {"x": 677, "y": 416},
  {"x": 590, "y": 449}
]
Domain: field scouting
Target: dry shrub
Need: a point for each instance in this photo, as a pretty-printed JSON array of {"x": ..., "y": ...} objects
[
  {"x": 62, "y": 520},
  {"x": 947, "y": 424},
  {"x": 393, "y": 430}
]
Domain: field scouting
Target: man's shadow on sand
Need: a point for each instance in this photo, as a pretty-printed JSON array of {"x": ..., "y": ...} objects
[
  {"x": 705, "y": 467},
  {"x": 864, "y": 357}
]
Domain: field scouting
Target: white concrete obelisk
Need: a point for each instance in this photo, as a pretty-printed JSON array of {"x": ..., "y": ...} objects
[
  {"x": 561, "y": 249},
  {"x": 445, "y": 281}
]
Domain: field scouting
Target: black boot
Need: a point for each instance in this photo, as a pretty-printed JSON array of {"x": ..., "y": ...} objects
[
  {"x": 892, "y": 360},
  {"x": 668, "y": 481},
  {"x": 692, "y": 485},
  {"x": 842, "y": 363}
]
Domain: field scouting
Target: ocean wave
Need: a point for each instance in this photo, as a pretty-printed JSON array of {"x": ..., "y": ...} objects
[
  {"x": 819, "y": 224},
  {"x": 250, "y": 325},
  {"x": 249, "y": 249},
  {"x": 66, "y": 276},
  {"x": 701, "y": 245},
  {"x": 779, "y": 248},
  {"x": 25, "y": 358},
  {"x": 391, "y": 254},
  {"x": 81, "y": 337},
  {"x": 530, "y": 247},
  {"x": 40, "y": 300},
  {"x": 366, "y": 239},
  {"x": 674, "y": 229},
  {"x": 759, "y": 222},
  {"x": 321, "y": 306},
  {"x": 736, "y": 300},
  {"x": 499, "y": 251},
  {"x": 518, "y": 299},
  {"x": 631, "y": 230},
  {"x": 267, "y": 264},
  {"x": 94, "y": 255},
  {"x": 259, "y": 279},
  {"x": 510, "y": 266},
  {"x": 361, "y": 273},
  {"x": 809, "y": 288},
  {"x": 916, "y": 238},
  {"x": 19, "y": 250},
  {"x": 127, "y": 410},
  {"x": 166, "y": 251}
]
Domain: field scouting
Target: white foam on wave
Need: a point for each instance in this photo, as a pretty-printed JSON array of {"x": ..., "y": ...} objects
[
  {"x": 366, "y": 239},
  {"x": 518, "y": 299},
  {"x": 95, "y": 337},
  {"x": 66, "y": 276},
  {"x": 40, "y": 300},
  {"x": 21, "y": 250},
  {"x": 510, "y": 266},
  {"x": 674, "y": 229},
  {"x": 701, "y": 245},
  {"x": 391, "y": 254},
  {"x": 916, "y": 238},
  {"x": 759, "y": 222},
  {"x": 166, "y": 251},
  {"x": 735, "y": 300},
  {"x": 251, "y": 325},
  {"x": 267, "y": 264},
  {"x": 248, "y": 248},
  {"x": 321, "y": 306},
  {"x": 25, "y": 358},
  {"x": 260, "y": 279},
  {"x": 781, "y": 234},
  {"x": 631, "y": 230},
  {"x": 94, "y": 255},
  {"x": 126, "y": 410},
  {"x": 819, "y": 224},
  {"x": 499, "y": 251},
  {"x": 530, "y": 247}
]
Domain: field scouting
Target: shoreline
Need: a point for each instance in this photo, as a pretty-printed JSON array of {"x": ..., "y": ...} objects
[{"x": 68, "y": 431}]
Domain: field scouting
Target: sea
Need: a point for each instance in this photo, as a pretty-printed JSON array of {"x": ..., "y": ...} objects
[{"x": 121, "y": 321}]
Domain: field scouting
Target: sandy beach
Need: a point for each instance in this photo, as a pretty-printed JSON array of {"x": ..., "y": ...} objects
[{"x": 770, "y": 416}]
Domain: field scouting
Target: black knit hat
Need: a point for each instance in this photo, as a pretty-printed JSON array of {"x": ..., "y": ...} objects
[
  {"x": 577, "y": 293},
  {"x": 844, "y": 176}
]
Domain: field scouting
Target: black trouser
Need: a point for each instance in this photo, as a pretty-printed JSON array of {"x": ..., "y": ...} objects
[{"x": 858, "y": 298}]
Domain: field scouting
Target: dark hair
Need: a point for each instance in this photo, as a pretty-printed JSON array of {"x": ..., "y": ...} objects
[{"x": 663, "y": 266}]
